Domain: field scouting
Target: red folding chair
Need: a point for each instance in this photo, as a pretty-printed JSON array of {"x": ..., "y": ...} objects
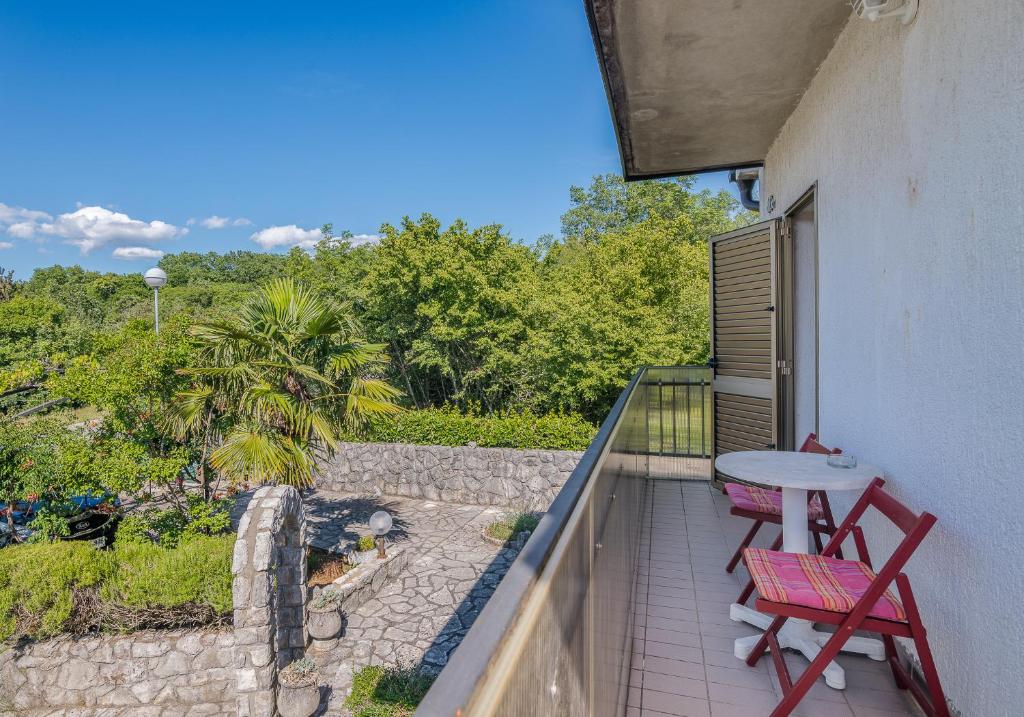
[
  {"x": 763, "y": 505},
  {"x": 848, "y": 594}
]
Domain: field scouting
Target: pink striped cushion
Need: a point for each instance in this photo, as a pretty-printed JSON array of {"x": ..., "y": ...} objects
[
  {"x": 760, "y": 500},
  {"x": 813, "y": 581}
]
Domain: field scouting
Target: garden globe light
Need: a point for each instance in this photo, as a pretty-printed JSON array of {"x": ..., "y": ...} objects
[
  {"x": 155, "y": 278},
  {"x": 380, "y": 525}
]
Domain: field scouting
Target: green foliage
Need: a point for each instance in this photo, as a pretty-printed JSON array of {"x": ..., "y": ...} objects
[
  {"x": 379, "y": 691},
  {"x": 244, "y": 268},
  {"x": 276, "y": 385},
  {"x": 365, "y": 542},
  {"x": 454, "y": 307},
  {"x": 38, "y": 582},
  {"x": 517, "y": 429},
  {"x": 172, "y": 526},
  {"x": 512, "y": 525}
]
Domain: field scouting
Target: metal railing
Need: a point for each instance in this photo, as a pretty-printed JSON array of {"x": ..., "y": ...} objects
[
  {"x": 679, "y": 406},
  {"x": 555, "y": 638}
]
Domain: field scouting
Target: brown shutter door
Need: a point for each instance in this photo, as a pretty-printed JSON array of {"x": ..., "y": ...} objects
[{"x": 743, "y": 320}]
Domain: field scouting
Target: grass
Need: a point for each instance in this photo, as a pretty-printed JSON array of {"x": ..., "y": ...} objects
[
  {"x": 379, "y": 691},
  {"x": 512, "y": 525},
  {"x": 324, "y": 568}
]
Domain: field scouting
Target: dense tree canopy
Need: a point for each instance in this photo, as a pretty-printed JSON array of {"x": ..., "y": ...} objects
[{"x": 469, "y": 316}]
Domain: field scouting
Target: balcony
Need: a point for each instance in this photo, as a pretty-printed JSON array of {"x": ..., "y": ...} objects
[{"x": 619, "y": 603}]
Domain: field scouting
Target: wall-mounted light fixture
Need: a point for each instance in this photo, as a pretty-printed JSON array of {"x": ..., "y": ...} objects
[{"x": 875, "y": 10}]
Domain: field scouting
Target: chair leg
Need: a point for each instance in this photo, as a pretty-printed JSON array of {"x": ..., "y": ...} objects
[
  {"x": 747, "y": 592},
  {"x": 800, "y": 688},
  {"x": 818, "y": 547},
  {"x": 936, "y": 696},
  {"x": 893, "y": 658},
  {"x": 734, "y": 561},
  {"x": 762, "y": 644}
]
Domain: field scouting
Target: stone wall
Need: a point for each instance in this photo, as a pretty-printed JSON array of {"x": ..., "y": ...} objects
[
  {"x": 269, "y": 595},
  {"x": 480, "y": 476},
  {"x": 174, "y": 672}
]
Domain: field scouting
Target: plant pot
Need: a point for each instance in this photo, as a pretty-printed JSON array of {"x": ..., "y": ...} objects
[
  {"x": 324, "y": 624},
  {"x": 298, "y": 701}
]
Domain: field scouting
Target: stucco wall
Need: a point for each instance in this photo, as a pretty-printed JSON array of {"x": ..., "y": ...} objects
[
  {"x": 915, "y": 136},
  {"x": 465, "y": 474}
]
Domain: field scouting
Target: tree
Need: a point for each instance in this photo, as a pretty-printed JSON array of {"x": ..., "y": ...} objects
[
  {"x": 455, "y": 308},
  {"x": 7, "y": 285},
  {"x": 274, "y": 389},
  {"x": 631, "y": 297},
  {"x": 612, "y": 204}
]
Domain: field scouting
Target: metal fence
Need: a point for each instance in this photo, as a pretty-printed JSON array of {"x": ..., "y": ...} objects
[
  {"x": 555, "y": 638},
  {"x": 679, "y": 407}
]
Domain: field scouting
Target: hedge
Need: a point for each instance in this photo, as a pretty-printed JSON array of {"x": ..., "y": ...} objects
[
  {"x": 47, "y": 589},
  {"x": 448, "y": 427}
]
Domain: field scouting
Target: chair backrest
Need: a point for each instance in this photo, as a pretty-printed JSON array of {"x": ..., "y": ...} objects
[
  {"x": 811, "y": 445},
  {"x": 913, "y": 526}
]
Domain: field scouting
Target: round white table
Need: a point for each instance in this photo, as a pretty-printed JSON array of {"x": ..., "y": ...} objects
[{"x": 796, "y": 473}]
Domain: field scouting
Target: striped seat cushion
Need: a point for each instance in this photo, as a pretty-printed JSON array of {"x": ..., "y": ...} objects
[
  {"x": 760, "y": 500},
  {"x": 816, "y": 582}
]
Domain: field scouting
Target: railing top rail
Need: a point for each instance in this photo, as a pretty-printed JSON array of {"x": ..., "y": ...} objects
[{"x": 469, "y": 664}]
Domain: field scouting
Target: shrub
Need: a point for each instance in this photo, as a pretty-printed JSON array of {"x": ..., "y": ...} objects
[
  {"x": 52, "y": 588},
  {"x": 448, "y": 427},
  {"x": 379, "y": 691},
  {"x": 512, "y": 525},
  {"x": 300, "y": 673},
  {"x": 173, "y": 525},
  {"x": 365, "y": 542}
]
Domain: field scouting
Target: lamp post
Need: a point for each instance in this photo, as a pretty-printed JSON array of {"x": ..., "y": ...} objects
[
  {"x": 380, "y": 525},
  {"x": 155, "y": 278}
]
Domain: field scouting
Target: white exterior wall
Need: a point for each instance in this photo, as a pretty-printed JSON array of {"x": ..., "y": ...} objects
[{"x": 915, "y": 136}]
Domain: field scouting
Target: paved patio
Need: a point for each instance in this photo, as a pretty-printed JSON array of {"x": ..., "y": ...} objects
[
  {"x": 421, "y": 618},
  {"x": 683, "y": 661}
]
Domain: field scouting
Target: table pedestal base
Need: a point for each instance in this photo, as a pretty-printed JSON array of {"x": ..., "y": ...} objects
[{"x": 801, "y": 636}]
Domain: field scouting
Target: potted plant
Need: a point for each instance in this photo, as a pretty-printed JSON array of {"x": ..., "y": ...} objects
[
  {"x": 298, "y": 692},
  {"x": 323, "y": 618},
  {"x": 364, "y": 550}
]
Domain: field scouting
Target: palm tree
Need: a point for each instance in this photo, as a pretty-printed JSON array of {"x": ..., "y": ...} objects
[{"x": 277, "y": 386}]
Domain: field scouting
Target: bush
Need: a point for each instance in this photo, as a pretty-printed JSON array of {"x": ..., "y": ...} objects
[
  {"x": 71, "y": 587},
  {"x": 365, "y": 542},
  {"x": 512, "y": 525},
  {"x": 448, "y": 427},
  {"x": 173, "y": 525},
  {"x": 387, "y": 691}
]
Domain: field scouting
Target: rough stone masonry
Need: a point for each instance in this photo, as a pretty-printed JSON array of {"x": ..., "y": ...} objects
[{"x": 522, "y": 479}]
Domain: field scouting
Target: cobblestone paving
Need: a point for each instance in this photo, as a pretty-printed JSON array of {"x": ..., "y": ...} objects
[{"x": 420, "y": 618}]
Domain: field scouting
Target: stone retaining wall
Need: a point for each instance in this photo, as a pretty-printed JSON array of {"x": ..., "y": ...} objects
[
  {"x": 172, "y": 672},
  {"x": 480, "y": 476}
]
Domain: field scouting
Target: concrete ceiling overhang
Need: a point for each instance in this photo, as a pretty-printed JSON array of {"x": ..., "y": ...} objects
[{"x": 698, "y": 85}]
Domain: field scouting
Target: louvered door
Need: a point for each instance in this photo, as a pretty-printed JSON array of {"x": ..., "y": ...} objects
[{"x": 744, "y": 312}]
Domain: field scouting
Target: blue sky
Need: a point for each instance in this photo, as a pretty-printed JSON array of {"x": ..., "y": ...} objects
[{"x": 120, "y": 124}]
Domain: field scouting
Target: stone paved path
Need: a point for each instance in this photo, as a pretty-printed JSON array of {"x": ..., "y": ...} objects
[{"x": 420, "y": 618}]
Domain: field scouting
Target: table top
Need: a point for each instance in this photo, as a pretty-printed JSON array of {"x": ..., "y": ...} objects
[{"x": 793, "y": 469}]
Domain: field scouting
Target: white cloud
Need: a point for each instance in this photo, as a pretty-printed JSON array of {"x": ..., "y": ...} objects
[
  {"x": 6, "y": 245},
  {"x": 191, "y": 221},
  {"x": 92, "y": 227},
  {"x": 14, "y": 215},
  {"x": 289, "y": 235},
  {"x": 134, "y": 253},
  {"x": 360, "y": 239},
  {"x": 216, "y": 222}
]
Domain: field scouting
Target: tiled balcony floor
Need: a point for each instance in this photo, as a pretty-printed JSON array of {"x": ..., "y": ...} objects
[{"x": 683, "y": 661}]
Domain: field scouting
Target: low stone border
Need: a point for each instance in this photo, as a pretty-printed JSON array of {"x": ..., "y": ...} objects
[
  {"x": 515, "y": 543},
  {"x": 365, "y": 580}
]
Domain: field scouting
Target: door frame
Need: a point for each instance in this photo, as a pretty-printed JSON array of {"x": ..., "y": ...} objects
[{"x": 786, "y": 368}]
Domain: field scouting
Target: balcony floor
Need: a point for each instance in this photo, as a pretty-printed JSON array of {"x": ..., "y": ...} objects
[{"x": 683, "y": 662}]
